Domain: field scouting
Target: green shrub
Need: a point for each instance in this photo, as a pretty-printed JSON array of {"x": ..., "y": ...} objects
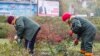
[
  {"x": 12, "y": 50},
  {"x": 58, "y": 26},
  {"x": 2, "y": 19},
  {"x": 3, "y": 30},
  {"x": 3, "y": 27},
  {"x": 96, "y": 21}
]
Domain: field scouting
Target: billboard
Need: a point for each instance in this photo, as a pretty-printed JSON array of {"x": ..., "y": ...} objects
[
  {"x": 21, "y": 1},
  {"x": 17, "y": 9},
  {"x": 48, "y": 8}
]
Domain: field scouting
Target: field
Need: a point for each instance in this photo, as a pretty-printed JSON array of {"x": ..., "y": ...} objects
[
  {"x": 52, "y": 40},
  {"x": 43, "y": 49}
]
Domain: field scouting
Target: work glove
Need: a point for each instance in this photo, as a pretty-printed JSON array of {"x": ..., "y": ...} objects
[
  {"x": 70, "y": 33},
  {"x": 15, "y": 37},
  {"x": 18, "y": 40},
  {"x": 76, "y": 41}
]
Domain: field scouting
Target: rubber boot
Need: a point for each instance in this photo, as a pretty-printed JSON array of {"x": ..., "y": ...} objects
[
  {"x": 82, "y": 52},
  {"x": 88, "y": 54}
]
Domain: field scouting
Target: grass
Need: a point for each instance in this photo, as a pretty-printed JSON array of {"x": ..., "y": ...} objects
[
  {"x": 3, "y": 41},
  {"x": 43, "y": 48}
]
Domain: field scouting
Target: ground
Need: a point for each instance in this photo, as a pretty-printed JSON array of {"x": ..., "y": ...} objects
[{"x": 44, "y": 49}]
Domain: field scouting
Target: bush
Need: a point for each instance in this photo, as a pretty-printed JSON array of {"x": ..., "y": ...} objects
[
  {"x": 2, "y": 19},
  {"x": 12, "y": 50},
  {"x": 3, "y": 27},
  {"x": 3, "y": 30},
  {"x": 51, "y": 25},
  {"x": 96, "y": 21}
]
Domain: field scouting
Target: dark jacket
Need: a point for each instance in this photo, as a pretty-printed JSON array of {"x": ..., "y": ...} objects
[
  {"x": 82, "y": 27},
  {"x": 26, "y": 27}
]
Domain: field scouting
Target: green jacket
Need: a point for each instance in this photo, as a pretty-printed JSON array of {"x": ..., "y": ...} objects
[
  {"x": 82, "y": 27},
  {"x": 26, "y": 27}
]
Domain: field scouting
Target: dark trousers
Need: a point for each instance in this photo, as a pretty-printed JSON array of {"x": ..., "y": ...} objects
[
  {"x": 87, "y": 42},
  {"x": 30, "y": 44}
]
